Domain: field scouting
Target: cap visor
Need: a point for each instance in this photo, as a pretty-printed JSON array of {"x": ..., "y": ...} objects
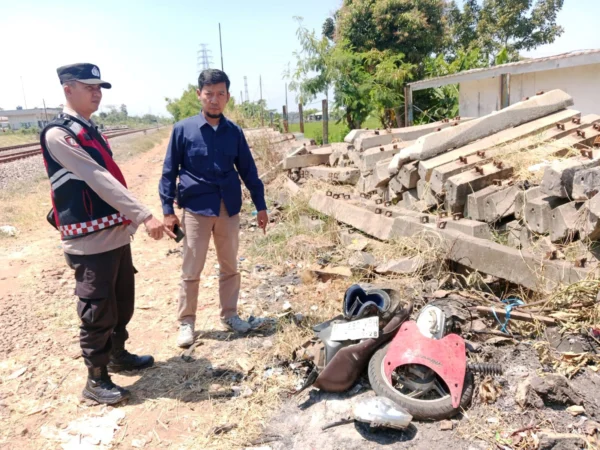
[{"x": 103, "y": 84}]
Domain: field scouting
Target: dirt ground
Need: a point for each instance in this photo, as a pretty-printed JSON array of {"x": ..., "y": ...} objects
[{"x": 231, "y": 391}]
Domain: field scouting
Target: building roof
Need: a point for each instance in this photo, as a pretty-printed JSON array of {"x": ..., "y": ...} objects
[
  {"x": 564, "y": 60},
  {"x": 23, "y": 112}
]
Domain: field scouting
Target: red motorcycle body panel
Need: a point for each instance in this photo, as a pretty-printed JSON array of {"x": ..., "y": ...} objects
[{"x": 446, "y": 356}]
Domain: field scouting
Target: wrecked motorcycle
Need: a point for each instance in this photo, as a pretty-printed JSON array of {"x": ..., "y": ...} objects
[{"x": 424, "y": 368}]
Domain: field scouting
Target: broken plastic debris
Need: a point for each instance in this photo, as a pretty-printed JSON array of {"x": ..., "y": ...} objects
[{"x": 381, "y": 412}]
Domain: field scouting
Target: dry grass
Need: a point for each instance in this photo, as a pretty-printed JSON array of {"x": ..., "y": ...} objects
[{"x": 11, "y": 138}]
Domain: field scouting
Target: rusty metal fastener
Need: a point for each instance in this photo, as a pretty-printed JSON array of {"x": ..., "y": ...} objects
[
  {"x": 438, "y": 129},
  {"x": 455, "y": 124},
  {"x": 336, "y": 175},
  {"x": 363, "y": 195},
  {"x": 581, "y": 133},
  {"x": 336, "y": 196},
  {"x": 367, "y": 196},
  {"x": 347, "y": 196},
  {"x": 443, "y": 214},
  {"x": 457, "y": 118},
  {"x": 441, "y": 225},
  {"x": 351, "y": 231},
  {"x": 587, "y": 154},
  {"x": 560, "y": 126},
  {"x": 387, "y": 204},
  {"x": 376, "y": 132},
  {"x": 424, "y": 219},
  {"x": 381, "y": 149},
  {"x": 377, "y": 210},
  {"x": 596, "y": 126},
  {"x": 457, "y": 216},
  {"x": 481, "y": 154},
  {"x": 463, "y": 159},
  {"x": 597, "y": 142},
  {"x": 497, "y": 182},
  {"x": 329, "y": 193},
  {"x": 479, "y": 170},
  {"x": 525, "y": 99},
  {"x": 395, "y": 146},
  {"x": 498, "y": 164},
  {"x": 388, "y": 214},
  {"x": 552, "y": 254},
  {"x": 539, "y": 93},
  {"x": 580, "y": 262},
  {"x": 576, "y": 121},
  {"x": 330, "y": 175},
  {"x": 378, "y": 201}
]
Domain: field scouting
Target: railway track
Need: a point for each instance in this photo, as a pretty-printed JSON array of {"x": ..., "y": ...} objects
[{"x": 21, "y": 151}]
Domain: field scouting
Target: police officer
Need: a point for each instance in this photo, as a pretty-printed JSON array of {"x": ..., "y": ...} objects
[{"x": 96, "y": 216}]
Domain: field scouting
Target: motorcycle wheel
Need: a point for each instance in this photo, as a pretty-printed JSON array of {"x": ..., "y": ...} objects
[{"x": 417, "y": 389}]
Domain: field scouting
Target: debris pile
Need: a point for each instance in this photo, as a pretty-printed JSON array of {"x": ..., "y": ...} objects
[{"x": 512, "y": 194}]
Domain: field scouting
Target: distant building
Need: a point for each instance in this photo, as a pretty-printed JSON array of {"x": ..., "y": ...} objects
[
  {"x": 482, "y": 91},
  {"x": 30, "y": 118},
  {"x": 315, "y": 117},
  {"x": 4, "y": 122}
]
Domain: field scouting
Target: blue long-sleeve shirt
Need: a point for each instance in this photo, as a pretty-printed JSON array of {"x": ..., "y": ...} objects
[{"x": 205, "y": 161}]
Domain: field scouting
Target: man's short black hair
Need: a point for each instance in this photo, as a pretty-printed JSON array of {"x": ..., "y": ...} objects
[{"x": 210, "y": 77}]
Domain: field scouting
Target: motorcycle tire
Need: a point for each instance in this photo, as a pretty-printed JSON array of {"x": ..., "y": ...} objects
[{"x": 420, "y": 409}]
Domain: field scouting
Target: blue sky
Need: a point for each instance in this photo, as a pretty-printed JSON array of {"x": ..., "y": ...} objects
[{"x": 147, "y": 49}]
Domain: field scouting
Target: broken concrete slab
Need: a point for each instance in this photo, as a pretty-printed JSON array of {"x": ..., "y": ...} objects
[
  {"x": 589, "y": 226},
  {"x": 366, "y": 183},
  {"x": 396, "y": 186},
  {"x": 538, "y": 213},
  {"x": 494, "y": 140},
  {"x": 523, "y": 197},
  {"x": 362, "y": 261},
  {"x": 549, "y": 440},
  {"x": 336, "y": 175},
  {"x": 586, "y": 184},
  {"x": 565, "y": 222},
  {"x": 500, "y": 205},
  {"x": 549, "y": 129},
  {"x": 381, "y": 173},
  {"x": 298, "y": 162},
  {"x": 369, "y": 158},
  {"x": 404, "y": 266},
  {"x": 354, "y": 241},
  {"x": 458, "y": 187},
  {"x": 514, "y": 115},
  {"x": 513, "y": 233},
  {"x": 409, "y": 174},
  {"x": 292, "y": 187},
  {"x": 559, "y": 175},
  {"x": 516, "y": 266}
]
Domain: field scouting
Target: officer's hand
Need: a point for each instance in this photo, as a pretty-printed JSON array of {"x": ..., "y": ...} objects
[
  {"x": 262, "y": 218},
  {"x": 156, "y": 229},
  {"x": 171, "y": 220}
]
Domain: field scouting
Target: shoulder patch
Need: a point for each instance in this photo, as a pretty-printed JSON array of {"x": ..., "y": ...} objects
[{"x": 72, "y": 142}]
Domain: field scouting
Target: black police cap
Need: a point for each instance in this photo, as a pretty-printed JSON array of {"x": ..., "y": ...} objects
[{"x": 82, "y": 72}]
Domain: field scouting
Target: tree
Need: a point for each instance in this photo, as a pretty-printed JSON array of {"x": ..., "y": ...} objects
[
  {"x": 123, "y": 109},
  {"x": 312, "y": 74},
  {"x": 185, "y": 106},
  {"x": 415, "y": 28},
  {"x": 510, "y": 25}
]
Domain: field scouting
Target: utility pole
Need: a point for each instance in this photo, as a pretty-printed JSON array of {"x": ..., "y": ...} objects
[
  {"x": 246, "y": 88},
  {"x": 241, "y": 97},
  {"x": 45, "y": 112},
  {"x": 23, "y": 88},
  {"x": 262, "y": 117},
  {"x": 325, "y": 123},
  {"x": 285, "y": 119},
  {"x": 301, "y": 114},
  {"x": 286, "y": 102},
  {"x": 221, "y": 45}
]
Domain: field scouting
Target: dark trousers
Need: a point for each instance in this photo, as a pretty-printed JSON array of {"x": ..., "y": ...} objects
[{"x": 106, "y": 290}]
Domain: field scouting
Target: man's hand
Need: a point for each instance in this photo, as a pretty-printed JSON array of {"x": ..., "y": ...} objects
[
  {"x": 262, "y": 218},
  {"x": 156, "y": 229},
  {"x": 170, "y": 221}
]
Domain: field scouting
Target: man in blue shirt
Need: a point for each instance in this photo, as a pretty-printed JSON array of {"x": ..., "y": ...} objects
[{"x": 209, "y": 154}]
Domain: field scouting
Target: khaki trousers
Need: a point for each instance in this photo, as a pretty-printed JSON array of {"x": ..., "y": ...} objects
[{"x": 225, "y": 231}]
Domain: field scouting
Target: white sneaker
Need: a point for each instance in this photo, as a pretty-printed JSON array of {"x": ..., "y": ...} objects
[
  {"x": 236, "y": 324},
  {"x": 186, "y": 335}
]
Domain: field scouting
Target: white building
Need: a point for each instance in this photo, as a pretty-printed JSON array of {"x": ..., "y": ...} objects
[
  {"x": 30, "y": 118},
  {"x": 482, "y": 91}
]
